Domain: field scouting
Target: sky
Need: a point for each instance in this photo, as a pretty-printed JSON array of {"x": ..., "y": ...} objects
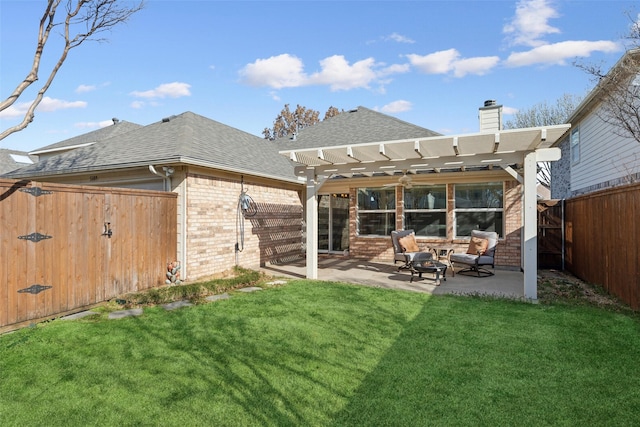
[{"x": 430, "y": 63}]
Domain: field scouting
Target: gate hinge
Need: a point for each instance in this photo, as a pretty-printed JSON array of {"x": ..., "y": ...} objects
[
  {"x": 35, "y": 237},
  {"x": 34, "y": 289},
  {"x": 36, "y": 191}
]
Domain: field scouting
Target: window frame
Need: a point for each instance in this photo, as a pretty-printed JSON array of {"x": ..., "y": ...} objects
[
  {"x": 386, "y": 211},
  {"x": 574, "y": 145},
  {"x": 426, "y": 210},
  {"x": 457, "y": 210}
]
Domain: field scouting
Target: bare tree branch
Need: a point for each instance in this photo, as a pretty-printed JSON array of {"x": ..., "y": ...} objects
[
  {"x": 545, "y": 114},
  {"x": 83, "y": 20}
]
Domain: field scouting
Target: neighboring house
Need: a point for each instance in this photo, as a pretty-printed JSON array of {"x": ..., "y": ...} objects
[
  {"x": 119, "y": 127},
  {"x": 12, "y": 159},
  {"x": 594, "y": 155},
  {"x": 208, "y": 164}
]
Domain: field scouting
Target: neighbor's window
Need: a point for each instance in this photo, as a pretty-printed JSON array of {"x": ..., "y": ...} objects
[
  {"x": 425, "y": 210},
  {"x": 575, "y": 145},
  {"x": 376, "y": 211},
  {"x": 479, "y": 206}
]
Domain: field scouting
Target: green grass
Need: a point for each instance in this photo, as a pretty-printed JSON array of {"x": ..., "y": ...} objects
[{"x": 327, "y": 354}]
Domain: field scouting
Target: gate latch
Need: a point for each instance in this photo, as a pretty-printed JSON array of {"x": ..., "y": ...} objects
[{"x": 107, "y": 230}]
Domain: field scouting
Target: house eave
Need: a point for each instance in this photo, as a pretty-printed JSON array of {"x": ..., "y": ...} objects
[{"x": 145, "y": 164}]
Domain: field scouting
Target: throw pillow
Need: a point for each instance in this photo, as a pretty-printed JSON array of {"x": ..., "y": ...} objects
[
  {"x": 408, "y": 243},
  {"x": 477, "y": 244}
]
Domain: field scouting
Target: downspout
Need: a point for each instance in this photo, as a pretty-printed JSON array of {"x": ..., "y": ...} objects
[{"x": 166, "y": 177}]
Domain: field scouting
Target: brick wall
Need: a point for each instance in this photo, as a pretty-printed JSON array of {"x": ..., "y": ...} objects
[{"x": 214, "y": 227}]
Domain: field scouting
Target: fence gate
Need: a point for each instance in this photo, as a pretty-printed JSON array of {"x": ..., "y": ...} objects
[
  {"x": 551, "y": 234},
  {"x": 66, "y": 247}
]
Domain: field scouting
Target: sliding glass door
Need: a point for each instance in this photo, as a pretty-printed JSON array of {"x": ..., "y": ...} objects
[{"x": 333, "y": 223}]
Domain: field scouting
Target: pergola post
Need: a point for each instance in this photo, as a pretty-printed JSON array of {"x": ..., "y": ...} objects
[
  {"x": 312, "y": 225},
  {"x": 530, "y": 228}
]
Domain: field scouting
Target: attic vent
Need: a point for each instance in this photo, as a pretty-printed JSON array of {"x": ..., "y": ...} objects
[
  {"x": 166, "y": 120},
  {"x": 354, "y": 110}
]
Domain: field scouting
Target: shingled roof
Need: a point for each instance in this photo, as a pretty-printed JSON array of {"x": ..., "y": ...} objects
[
  {"x": 358, "y": 126},
  {"x": 187, "y": 138},
  {"x": 13, "y": 159},
  {"x": 118, "y": 128}
]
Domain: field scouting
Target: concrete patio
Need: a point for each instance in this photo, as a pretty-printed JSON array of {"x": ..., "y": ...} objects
[{"x": 338, "y": 268}]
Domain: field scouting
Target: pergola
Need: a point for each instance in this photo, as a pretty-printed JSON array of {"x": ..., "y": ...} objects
[{"x": 504, "y": 149}]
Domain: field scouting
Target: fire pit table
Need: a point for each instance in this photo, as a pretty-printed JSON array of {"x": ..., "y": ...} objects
[{"x": 426, "y": 264}]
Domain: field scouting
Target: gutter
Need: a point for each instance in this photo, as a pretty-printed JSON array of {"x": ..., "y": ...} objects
[{"x": 168, "y": 172}]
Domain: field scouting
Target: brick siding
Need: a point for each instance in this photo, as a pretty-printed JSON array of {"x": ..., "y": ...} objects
[{"x": 214, "y": 228}]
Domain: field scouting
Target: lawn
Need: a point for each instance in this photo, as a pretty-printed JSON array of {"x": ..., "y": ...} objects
[{"x": 328, "y": 354}]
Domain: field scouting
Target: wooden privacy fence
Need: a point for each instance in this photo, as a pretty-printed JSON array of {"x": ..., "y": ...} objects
[
  {"x": 64, "y": 248},
  {"x": 603, "y": 238}
]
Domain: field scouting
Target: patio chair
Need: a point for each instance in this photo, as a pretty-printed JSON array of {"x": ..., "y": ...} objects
[
  {"x": 405, "y": 248},
  {"x": 481, "y": 251}
]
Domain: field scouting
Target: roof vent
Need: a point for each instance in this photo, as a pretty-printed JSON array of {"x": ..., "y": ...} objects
[
  {"x": 166, "y": 120},
  {"x": 115, "y": 120}
]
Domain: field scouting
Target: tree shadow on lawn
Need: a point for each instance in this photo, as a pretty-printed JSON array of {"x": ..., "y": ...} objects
[
  {"x": 219, "y": 365},
  {"x": 483, "y": 361}
]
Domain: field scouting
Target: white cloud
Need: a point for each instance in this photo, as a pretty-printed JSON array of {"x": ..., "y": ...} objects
[
  {"x": 435, "y": 63},
  {"x": 447, "y": 61},
  {"x": 277, "y": 72},
  {"x": 165, "y": 90},
  {"x": 394, "y": 69},
  {"x": 13, "y": 111},
  {"x": 46, "y": 105},
  {"x": 531, "y": 23},
  {"x": 286, "y": 70},
  {"x": 397, "y": 107},
  {"x": 558, "y": 53},
  {"x": 137, "y": 104},
  {"x": 339, "y": 75},
  {"x": 274, "y": 95},
  {"x": 399, "y": 38},
  {"x": 509, "y": 111},
  {"x": 51, "y": 104},
  {"x": 479, "y": 66},
  {"x": 85, "y": 88}
]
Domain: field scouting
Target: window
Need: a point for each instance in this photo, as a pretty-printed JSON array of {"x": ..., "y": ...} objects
[
  {"x": 425, "y": 210},
  {"x": 479, "y": 206},
  {"x": 575, "y": 145},
  {"x": 376, "y": 211}
]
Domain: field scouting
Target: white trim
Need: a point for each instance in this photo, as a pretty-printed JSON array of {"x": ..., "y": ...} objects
[
  {"x": 530, "y": 228},
  {"x": 312, "y": 226},
  {"x": 65, "y": 148}
]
